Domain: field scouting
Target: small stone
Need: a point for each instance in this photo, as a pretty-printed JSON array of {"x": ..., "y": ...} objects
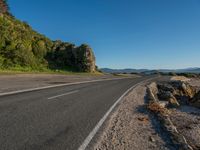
[
  {"x": 173, "y": 102},
  {"x": 151, "y": 139},
  {"x": 143, "y": 119}
]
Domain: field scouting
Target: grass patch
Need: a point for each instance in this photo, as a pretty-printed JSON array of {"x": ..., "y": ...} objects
[{"x": 28, "y": 70}]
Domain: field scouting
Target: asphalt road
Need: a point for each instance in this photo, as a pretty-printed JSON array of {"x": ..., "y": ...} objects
[{"x": 57, "y": 118}]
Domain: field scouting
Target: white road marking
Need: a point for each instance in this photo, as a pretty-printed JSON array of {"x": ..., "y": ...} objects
[
  {"x": 58, "y": 85},
  {"x": 53, "y": 97},
  {"x": 87, "y": 141}
]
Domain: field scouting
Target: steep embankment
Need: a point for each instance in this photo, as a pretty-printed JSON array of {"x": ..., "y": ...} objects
[{"x": 22, "y": 47}]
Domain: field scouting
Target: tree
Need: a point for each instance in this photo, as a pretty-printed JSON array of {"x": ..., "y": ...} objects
[{"x": 4, "y": 9}]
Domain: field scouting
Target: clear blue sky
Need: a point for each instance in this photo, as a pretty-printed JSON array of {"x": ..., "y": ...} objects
[{"x": 123, "y": 33}]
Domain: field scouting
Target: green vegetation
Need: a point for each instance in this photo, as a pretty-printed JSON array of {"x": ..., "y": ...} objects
[
  {"x": 188, "y": 75},
  {"x": 22, "y": 48},
  {"x": 47, "y": 71}
]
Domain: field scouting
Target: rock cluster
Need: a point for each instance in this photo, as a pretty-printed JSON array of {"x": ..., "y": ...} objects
[
  {"x": 176, "y": 93},
  {"x": 164, "y": 95}
]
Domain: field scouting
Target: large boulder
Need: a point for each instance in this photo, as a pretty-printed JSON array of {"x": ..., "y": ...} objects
[
  {"x": 169, "y": 97},
  {"x": 183, "y": 89},
  {"x": 188, "y": 90}
]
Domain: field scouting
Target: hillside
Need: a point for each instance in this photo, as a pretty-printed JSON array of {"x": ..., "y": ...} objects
[
  {"x": 108, "y": 70},
  {"x": 187, "y": 70},
  {"x": 22, "y": 47}
]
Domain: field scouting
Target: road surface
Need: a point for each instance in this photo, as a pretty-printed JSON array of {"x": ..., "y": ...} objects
[{"x": 57, "y": 118}]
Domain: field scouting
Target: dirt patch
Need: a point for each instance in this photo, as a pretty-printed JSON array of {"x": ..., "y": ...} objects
[
  {"x": 188, "y": 124},
  {"x": 180, "y": 78}
]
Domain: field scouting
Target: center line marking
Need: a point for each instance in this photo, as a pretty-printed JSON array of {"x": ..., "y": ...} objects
[{"x": 63, "y": 94}]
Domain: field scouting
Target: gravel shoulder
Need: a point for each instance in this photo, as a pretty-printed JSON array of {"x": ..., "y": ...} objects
[
  {"x": 187, "y": 121},
  {"x": 194, "y": 82},
  {"x": 131, "y": 126}
]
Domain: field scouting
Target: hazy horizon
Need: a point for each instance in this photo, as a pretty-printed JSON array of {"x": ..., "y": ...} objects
[
  {"x": 151, "y": 68},
  {"x": 123, "y": 33}
]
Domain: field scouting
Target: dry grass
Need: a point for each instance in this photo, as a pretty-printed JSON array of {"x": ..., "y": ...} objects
[
  {"x": 180, "y": 78},
  {"x": 157, "y": 108}
]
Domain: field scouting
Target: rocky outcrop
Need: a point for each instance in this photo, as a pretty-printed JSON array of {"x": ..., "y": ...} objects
[
  {"x": 173, "y": 103},
  {"x": 183, "y": 89},
  {"x": 68, "y": 55},
  {"x": 163, "y": 114},
  {"x": 84, "y": 58},
  {"x": 176, "y": 92}
]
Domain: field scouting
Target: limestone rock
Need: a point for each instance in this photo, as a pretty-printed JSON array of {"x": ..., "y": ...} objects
[
  {"x": 152, "y": 92},
  {"x": 85, "y": 59},
  {"x": 183, "y": 89},
  {"x": 188, "y": 90},
  {"x": 173, "y": 102}
]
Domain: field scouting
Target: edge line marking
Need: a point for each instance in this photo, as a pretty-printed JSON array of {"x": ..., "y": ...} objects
[{"x": 91, "y": 135}]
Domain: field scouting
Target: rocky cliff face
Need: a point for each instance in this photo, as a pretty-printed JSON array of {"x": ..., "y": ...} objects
[
  {"x": 85, "y": 59},
  {"x": 66, "y": 54}
]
